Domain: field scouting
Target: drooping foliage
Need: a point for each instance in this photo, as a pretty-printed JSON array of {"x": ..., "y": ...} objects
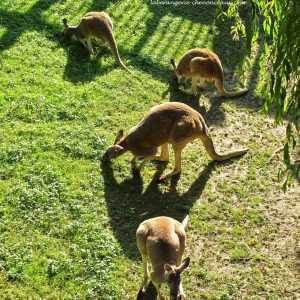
[{"x": 278, "y": 23}]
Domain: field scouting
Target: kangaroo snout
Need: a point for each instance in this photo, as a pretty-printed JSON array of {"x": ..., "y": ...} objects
[
  {"x": 109, "y": 154},
  {"x": 105, "y": 156}
]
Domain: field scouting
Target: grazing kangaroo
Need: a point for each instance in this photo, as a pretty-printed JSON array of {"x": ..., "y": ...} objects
[
  {"x": 162, "y": 240},
  {"x": 201, "y": 64},
  {"x": 172, "y": 123},
  {"x": 95, "y": 25}
]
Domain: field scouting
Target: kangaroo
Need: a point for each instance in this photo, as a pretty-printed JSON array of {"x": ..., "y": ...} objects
[
  {"x": 95, "y": 25},
  {"x": 201, "y": 64},
  {"x": 172, "y": 123},
  {"x": 162, "y": 240}
]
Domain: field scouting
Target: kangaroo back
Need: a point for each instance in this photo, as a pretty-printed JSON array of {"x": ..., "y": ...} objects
[
  {"x": 100, "y": 25},
  {"x": 168, "y": 123},
  {"x": 162, "y": 240},
  {"x": 206, "y": 67},
  {"x": 203, "y": 64},
  {"x": 183, "y": 66}
]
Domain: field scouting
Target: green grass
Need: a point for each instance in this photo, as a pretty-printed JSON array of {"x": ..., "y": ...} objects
[{"x": 68, "y": 221}]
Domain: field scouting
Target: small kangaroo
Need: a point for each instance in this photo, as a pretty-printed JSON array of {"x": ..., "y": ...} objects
[
  {"x": 201, "y": 64},
  {"x": 95, "y": 25},
  {"x": 172, "y": 123},
  {"x": 162, "y": 240}
]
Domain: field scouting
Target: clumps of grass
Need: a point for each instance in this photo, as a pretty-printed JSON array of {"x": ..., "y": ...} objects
[{"x": 68, "y": 222}]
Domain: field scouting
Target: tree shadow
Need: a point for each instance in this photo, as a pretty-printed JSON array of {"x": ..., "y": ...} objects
[
  {"x": 204, "y": 16},
  {"x": 80, "y": 66},
  {"x": 230, "y": 53},
  {"x": 253, "y": 101},
  {"x": 99, "y": 5},
  {"x": 17, "y": 23}
]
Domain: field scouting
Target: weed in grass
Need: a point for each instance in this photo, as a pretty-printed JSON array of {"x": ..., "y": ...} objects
[{"x": 68, "y": 221}]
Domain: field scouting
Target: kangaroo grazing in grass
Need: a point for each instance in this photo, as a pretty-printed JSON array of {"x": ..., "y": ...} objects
[
  {"x": 95, "y": 25},
  {"x": 162, "y": 240},
  {"x": 201, "y": 64},
  {"x": 172, "y": 123}
]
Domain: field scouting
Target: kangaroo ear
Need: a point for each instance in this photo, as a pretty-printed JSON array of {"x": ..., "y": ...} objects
[
  {"x": 119, "y": 137},
  {"x": 172, "y": 61},
  {"x": 184, "y": 265},
  {"x": 65, "y": 21},
  {"x": 168, "y": 268}
]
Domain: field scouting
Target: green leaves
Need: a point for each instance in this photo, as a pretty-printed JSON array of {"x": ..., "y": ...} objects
[
  {"x": 287, "y": 158},
  {"x": 280, "y": 23}
]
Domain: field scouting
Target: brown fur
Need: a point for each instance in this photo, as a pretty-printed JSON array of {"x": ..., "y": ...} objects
[
  {"x": 162, "y": 241},
  {"x": 172, "y": 123},
  {"x": 201, "y": 65},
  {"x": 95, "y": 25}
]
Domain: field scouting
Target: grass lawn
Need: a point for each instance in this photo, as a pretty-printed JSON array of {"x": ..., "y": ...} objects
[{"x": 68, "y": 221}]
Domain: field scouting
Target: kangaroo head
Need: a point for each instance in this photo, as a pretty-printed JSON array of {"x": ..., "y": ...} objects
[
  {"x": 69, "y": 30},
  {"x": 173, "y": 279},
  {"x": 115, "y": 150}
]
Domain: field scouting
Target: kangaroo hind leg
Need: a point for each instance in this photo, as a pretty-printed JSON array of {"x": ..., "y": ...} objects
[
  {"x": 202, "y": 83},
  {"x": 177, "y": 167},
  {"x": 164, "y": 153}
]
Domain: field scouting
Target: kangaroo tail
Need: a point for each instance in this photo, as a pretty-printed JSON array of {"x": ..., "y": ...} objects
[
  {"x": 185, "y": 221},
  {"x": 113, "y": 45},
  {"x": 210, "y": 148},
  {"x": 223, "y": 92}
]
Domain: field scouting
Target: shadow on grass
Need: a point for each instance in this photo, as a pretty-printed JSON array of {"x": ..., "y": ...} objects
[
  {"x": 149, "y": 294},
  {"x": 214, "y": 115},
  {"x": 223, "y": 45},
  {"x": 17, "y": 23},
  {"x": 128, "y": 204},
  {"x": 80, "y": 66}
]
